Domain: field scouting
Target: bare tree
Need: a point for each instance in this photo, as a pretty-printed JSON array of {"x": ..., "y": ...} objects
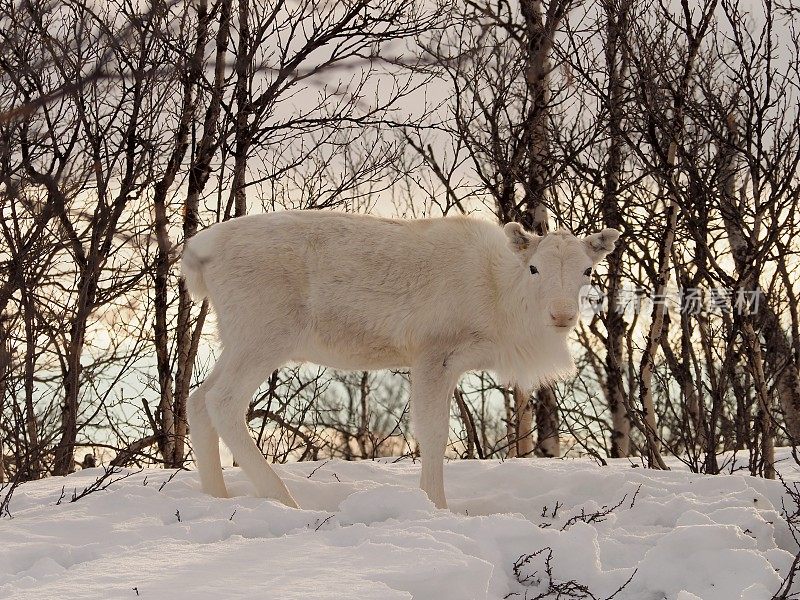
[
  {"x": 504, "y": 95},
  {"x": 125, "y": 130}
]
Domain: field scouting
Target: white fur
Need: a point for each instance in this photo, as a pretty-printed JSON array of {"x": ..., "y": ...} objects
[{"x": 441, "y": 296}]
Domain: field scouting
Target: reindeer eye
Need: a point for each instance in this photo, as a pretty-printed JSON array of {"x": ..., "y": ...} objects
[
  {"x": 534, "y": 270},
  {"x": 588, "y": 272}
]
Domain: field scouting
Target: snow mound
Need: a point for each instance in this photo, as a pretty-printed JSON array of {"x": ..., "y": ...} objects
[
  {"x": 517, "y": 529},
  {"x": 384, "y": 503}
]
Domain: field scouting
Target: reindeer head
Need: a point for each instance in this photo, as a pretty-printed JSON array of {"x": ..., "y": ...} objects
[{"x": 558, "y": 265}]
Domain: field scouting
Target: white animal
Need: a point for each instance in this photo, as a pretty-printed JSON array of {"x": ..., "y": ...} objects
[{"x": 441, "y": 296}]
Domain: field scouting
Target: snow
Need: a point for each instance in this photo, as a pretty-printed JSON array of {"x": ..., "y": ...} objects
[{"x": 516, "y": 529}]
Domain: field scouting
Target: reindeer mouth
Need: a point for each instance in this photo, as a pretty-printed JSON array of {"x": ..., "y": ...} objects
[{"x": 561, "y": 323}]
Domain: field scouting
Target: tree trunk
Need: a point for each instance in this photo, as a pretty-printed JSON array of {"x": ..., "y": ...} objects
[
  {"x": 167, "y": 434},
  {"x": 654, "y": 337},
  {"x": 473, "y": 442},
  {"x": 547, "y": 441},
  {"x": 779, "y": 355},
  {"x": 539, "y": 35},
  {"x": 782, "y": 367},
  {"x": 362, "y": 437},
  {"x": 523, "y": 413},
  {"x": 243, "y": 135},
  {"x": 511, "y": 423},
  {"x": 694, "y": 405},
  {"x": 186, "y": 339},
  {"x": 64, "y": 461},
  {"x": 766, "y": 417},
  {"x": 612, "y": 216},
  {"x": 669, "y": 177},
  {"x": 5, "y": 370},
  {"x": 33, "y": 467}
]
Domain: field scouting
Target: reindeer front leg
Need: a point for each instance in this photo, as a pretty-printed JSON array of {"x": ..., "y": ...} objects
[{"x": 432, "y": 385}]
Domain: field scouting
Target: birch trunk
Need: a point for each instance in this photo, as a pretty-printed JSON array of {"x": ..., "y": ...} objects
[
  {"x": 523, "y": 413},
  {"x": 511, "y": 423},
  {"x": 766, "y": 417},
  {"x": 778, "y": 353},
  {"x": 548, "y": 443},
  {"x": 34, "y": 470},
  {"x": 540, "y": 29},
  {"x": 473, "y": 442},
  {"x": 363, "y": 425},
  {"x": 243, "y": 135},
  {"x": 669, "y": 175},
  {"x": 654, "y": 337},
  {"x": 167, "y": 433},
  {"x": 187, "y": 338},
  {"x": 5, "y": 370},
  {"x": 612, "y": 216},
  {"x": 64, "y": 461}
]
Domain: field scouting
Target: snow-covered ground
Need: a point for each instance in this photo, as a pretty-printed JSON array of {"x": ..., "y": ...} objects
[{"x": 366, "y": 532}]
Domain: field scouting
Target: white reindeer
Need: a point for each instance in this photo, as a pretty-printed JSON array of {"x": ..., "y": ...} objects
[{"x": 441, "y": 296}]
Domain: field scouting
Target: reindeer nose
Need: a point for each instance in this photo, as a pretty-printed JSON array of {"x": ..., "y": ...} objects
[{"x": 563, "y": 314}]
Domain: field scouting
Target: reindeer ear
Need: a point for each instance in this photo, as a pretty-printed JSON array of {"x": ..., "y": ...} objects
[
  {"x": 521, "y": 241},
  {"x": 599, "y": 244}
]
